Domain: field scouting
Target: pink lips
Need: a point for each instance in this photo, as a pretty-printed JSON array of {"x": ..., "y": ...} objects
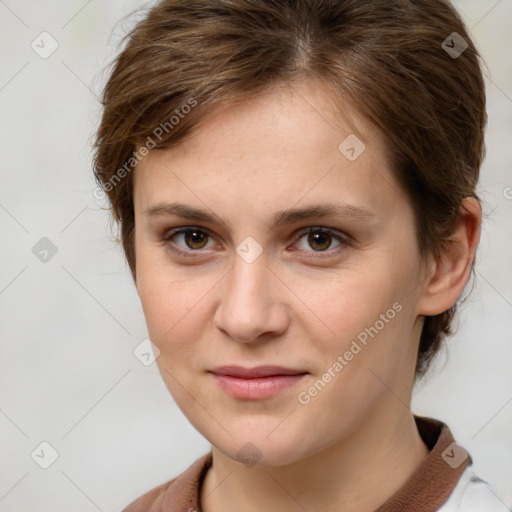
[{"x": 255, "y": 383}]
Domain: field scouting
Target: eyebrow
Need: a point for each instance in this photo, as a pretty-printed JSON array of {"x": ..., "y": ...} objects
[{"x": 289, "y": 216}]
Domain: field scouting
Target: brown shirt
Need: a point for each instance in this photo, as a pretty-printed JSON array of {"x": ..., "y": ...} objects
[{"x": 425, "y": 490}]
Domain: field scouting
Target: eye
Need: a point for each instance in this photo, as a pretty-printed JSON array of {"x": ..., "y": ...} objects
[
  {"x": 321, "y": 240},
  {"x": 189, "y": 240},
  {"x": 193, "y": 240}
]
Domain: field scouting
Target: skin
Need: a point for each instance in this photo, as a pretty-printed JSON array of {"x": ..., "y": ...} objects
[{"x": 296, "y": 305}]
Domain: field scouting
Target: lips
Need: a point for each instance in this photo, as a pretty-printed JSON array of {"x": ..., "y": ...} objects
[
  {"x": 256, "y": 372},
  {"x": 258, "y": 383}
]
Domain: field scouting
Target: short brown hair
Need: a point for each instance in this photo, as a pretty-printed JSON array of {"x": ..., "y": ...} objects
[{"x": 409, "y": 66}]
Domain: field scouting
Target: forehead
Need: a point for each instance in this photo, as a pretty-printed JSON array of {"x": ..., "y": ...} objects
[{"x": 287, "y": 145}]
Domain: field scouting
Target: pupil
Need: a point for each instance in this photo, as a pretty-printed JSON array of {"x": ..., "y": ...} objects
[
  {"x": 193, "y": 238},
  {"x": 322, "y": 239}
]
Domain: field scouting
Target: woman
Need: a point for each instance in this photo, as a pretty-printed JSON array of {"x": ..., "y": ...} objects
[{"x": 295, "y": 187}]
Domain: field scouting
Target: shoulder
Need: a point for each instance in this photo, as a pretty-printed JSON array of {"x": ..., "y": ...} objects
[
  {"x": 176, "y": 493},
  {"x": 151, "y": 499},
  {"x": 472, "y": 494}
]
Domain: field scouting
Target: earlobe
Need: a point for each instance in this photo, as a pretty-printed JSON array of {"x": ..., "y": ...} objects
[{"x": 453, "y": 266}]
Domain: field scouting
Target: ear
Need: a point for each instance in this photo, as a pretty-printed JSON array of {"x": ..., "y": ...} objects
[{"x": 452, "y": 268}]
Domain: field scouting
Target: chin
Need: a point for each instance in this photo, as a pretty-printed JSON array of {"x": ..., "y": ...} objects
[{"x": 256, "y": 448}]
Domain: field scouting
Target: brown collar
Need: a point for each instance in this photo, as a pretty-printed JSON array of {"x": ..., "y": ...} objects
[
  {"x": 433, "y": 482},
  {"x": 425, "y": 490}
]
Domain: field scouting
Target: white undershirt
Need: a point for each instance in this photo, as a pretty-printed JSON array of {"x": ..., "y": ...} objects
[{"x": 472, "y": 494}]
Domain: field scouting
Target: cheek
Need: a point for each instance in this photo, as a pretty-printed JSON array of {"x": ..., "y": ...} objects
[
  {"x": 168, "y": 307},
  {"x": 173, "y": 314},
  {"x": 165, "y": 300},
  {"x": 365, "y": 315},
  {"x": 352, "y": 300},
  {"x": 177, "y": 310}
]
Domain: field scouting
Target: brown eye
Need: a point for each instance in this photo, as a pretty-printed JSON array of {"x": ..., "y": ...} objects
[
  {"x": 187, "y": 240},
  {"x": 322, "y": 240},
  {"x": 319, "y": 241},
  {"x": 196, "y": 239}
]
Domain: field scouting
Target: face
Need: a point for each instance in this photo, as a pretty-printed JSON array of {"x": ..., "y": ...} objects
[{"x": 270, "y": 239}]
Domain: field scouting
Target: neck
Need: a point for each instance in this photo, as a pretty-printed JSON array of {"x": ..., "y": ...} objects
[{"x": 357, "y": 474}]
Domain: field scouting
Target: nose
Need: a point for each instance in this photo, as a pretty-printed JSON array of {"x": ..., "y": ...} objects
[{"x": 252, "y": 305}]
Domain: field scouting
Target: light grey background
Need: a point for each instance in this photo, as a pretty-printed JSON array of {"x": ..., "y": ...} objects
[{"x": 69, "y": 326}]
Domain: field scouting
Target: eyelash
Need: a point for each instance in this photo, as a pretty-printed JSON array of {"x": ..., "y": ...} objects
[{"x": 344, "y": 240}]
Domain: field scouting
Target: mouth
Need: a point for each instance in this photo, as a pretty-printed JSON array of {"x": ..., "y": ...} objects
[{"x": 256, "y": 383}]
